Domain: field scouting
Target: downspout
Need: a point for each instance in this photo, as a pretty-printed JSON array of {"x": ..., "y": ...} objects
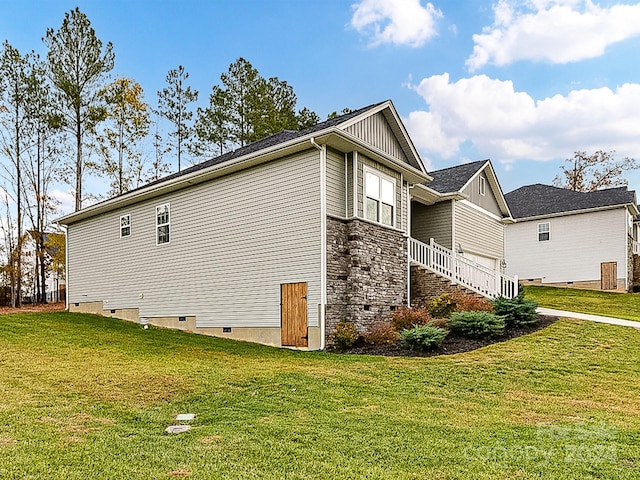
[
  {"x": 323, "y": 240},
  {"x": 66, "y": 267}
]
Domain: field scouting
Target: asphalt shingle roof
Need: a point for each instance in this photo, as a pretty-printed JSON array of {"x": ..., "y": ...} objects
[
  {"x": 536, "y": 200},
  {"x": 452, "y": 179},
  {"x": 276, "y": 139}
]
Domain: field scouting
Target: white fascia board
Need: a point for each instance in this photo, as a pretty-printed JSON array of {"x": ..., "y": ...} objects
[{"x": 429, "y": 196}]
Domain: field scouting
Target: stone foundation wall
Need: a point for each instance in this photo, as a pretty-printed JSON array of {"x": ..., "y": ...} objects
[{"x": 366, "y": 272}]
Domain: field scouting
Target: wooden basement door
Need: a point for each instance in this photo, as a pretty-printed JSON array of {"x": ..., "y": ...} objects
[
  {"x": 294, "y": 314},
  {"x": 609, "y": 276}
]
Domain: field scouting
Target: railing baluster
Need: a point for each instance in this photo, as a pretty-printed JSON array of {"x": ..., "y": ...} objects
[{"x": 476, "y": 277}]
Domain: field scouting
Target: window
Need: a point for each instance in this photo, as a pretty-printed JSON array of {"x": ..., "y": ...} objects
[
  {"x": 543, "y": 232},
  {"x": 125, "y": 225},
  {"x": 483, "y": 186},
  {"x": 380, "y": 198},
  {"x": 162, "y": 224}
]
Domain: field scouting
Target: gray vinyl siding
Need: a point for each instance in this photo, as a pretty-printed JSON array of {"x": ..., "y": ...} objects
[
  {"x": 478, "y": 233},
  {"x": 487, "y": 201},
  {"x": 399, "y": 206},
  {"x": 432, "y": 221},
  {"x": 336, "y": 188},
  {"x": 234, "y": 240},
  {"x": 376, "y": 131}
]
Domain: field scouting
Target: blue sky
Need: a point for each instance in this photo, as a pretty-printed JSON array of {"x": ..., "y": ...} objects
[{"x": 525, "y": 83}]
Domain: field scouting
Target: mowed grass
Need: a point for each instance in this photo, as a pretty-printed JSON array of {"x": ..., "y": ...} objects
[
  {"x": 86, "y": 397},
  {"x": 619, "y": 305}
]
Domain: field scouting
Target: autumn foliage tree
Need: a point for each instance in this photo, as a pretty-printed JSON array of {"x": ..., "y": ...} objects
[
  {"x": 127, "y": 125},
  {"x": 587, "y": 173}
]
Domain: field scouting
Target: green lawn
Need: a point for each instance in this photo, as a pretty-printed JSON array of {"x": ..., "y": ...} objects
[
  {"x": 619, "y": 305},
  {"x": 86, "y": 397}
]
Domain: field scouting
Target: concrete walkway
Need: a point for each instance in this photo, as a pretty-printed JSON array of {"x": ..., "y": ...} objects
[{"x": 587, "y": 316}]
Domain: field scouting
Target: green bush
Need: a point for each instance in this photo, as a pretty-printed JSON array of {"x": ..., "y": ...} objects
[
  {"x": 345, "y": 335},
  {"x": 476, "y": 324},
  {"x": 517, "y": 312},
  {"x": 381, "y": 333},
  {"x": 442, "y": 306},
  {"x": 423, "y": 337},
  {"x": 405, "y": 318}
]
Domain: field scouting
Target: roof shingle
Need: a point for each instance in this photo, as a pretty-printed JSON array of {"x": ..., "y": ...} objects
[
  {"x": 452, "y": 179},
  {"x": 537, "y": 200}
]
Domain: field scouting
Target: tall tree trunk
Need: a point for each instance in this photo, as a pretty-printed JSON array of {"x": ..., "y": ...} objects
[{"x": 78, "y": 163}]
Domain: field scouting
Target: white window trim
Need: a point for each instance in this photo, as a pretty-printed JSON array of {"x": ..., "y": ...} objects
[
  {"x": 366, "y": 169},
  {"x": 483, "y": 186},
  {"x": 129, "y": 225},
  {"x": 168, "y": 224},
  {"x": 548, "y": 231}
]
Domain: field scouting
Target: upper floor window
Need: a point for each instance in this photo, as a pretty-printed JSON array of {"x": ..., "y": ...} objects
[
  {"x": 125, "y": 225},
  {"x": 543, "y": 232},
  {"x": 483, "y": 186},
  {"x": 163, "y": 223},
  {"x": 380, "y": 193}
]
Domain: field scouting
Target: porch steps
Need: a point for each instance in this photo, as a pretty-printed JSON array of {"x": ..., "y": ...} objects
[{"x": 427, "y": 285}]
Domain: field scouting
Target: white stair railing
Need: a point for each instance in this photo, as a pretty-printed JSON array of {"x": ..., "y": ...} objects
[
  {"x": 636, "y": 247},
  {"x": 483, "y": 280}
]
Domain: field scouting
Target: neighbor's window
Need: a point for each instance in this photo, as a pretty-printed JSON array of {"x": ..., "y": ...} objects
[
  {"x": 125, "y": 225},
  {"x": 163, "y": 218},
  {"x": 543, "y": 232},
  {"x": 483, "y": 186},
  {"x": 380, "y": 197}
]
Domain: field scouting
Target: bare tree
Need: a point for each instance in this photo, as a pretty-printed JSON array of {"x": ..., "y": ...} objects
[{"x": 587, "y": 173}]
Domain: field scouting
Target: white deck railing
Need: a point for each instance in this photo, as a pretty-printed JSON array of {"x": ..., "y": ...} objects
[
  {"x": 483, "y": 280},
  {"x": 636, "y": 247}
]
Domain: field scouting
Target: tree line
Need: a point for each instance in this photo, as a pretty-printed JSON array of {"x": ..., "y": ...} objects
[{"x": 62, "y": 118}]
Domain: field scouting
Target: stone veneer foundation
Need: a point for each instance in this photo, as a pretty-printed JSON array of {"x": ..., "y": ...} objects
[{"x": 366, "y": 272}]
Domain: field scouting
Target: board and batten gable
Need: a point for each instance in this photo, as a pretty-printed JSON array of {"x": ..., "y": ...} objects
[
  {"x": 376, "y": 131},
  {"x": 577, "y": 245},
  {"x": 233, "y": 241}
]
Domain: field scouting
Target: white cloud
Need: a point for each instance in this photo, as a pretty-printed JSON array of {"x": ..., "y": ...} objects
[
  {"x": 400, "y": 22},
  {"x": 508, "y": 125},
  {"x": 558, "y": 31},
  {"x": 66, "y": 199}
]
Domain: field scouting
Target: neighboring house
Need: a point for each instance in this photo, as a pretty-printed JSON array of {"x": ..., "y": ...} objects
[
  {"x": 275, "y": 242},
  {"x": 463, "y": 209},
  {"x": 565, "y": 238}
]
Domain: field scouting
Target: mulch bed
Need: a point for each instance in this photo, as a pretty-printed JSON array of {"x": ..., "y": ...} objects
[
  {"x": 452, "y": 343},
  {"x": 46, "y": 307}
]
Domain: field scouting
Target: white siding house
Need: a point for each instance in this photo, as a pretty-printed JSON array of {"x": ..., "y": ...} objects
[{"x": 576, "y": 239}]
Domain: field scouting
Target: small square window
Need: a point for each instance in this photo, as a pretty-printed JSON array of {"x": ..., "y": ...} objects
[
  {"x": 544, "y": 232},
  {"x": 125, "y": 225}
]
